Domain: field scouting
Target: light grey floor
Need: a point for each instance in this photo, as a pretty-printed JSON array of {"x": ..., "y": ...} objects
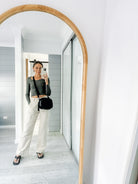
[{"x": 57, "y": 167}]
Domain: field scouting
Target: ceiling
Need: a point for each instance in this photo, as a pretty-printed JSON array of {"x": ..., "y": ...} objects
[{"x": 34, "y": 25}]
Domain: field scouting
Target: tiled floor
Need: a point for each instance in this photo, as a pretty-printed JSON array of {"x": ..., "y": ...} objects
[{"x": 57, "y": 167}]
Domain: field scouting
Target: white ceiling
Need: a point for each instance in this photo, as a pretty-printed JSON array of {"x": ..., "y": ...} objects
[{"x": 34, "y": 25}]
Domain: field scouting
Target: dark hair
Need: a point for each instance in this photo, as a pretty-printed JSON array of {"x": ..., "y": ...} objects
[{"x": 37, "y": 62}]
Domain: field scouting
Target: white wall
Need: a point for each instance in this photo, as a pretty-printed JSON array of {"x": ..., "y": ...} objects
[
  {"x": 42, "y": 46},
  {"x": 18, "y": 84},
  {"x": 119, "y": 92}
]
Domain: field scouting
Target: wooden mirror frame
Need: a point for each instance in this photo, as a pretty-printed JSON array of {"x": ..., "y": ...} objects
[{"x": 42, "y": 8}]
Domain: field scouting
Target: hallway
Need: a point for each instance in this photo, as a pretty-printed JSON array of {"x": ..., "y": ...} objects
[{"x": 57, "y": 167}]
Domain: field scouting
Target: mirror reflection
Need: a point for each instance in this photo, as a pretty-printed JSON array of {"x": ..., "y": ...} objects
[{"x": 43, "y": 145}]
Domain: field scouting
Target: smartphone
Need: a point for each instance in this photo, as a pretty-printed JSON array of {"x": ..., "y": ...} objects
[{"x": 44, "y": 72}]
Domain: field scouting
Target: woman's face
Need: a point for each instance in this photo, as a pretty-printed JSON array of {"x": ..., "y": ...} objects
[{"x": 37, "y": 68}]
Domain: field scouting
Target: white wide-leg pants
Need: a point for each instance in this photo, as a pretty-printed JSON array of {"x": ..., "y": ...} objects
[{"x": 29, "y": 124}]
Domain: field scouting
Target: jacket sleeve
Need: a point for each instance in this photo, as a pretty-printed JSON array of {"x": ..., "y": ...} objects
[
  {"x": 48, "y": 90},
  {"x": 27, "y": 91}
]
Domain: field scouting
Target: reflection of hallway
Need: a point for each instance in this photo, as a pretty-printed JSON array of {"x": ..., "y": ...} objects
[{"x": 57, "y": 167}]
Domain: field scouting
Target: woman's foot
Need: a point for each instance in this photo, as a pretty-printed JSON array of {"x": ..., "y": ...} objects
[
  {"x": 17, "y": 159},
  {"x": 40, "y": 155}
]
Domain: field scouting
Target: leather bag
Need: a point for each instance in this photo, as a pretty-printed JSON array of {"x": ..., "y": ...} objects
[{"x": 43, "y": 103}]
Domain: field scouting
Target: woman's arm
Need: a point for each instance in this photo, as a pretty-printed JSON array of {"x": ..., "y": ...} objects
[
  {"x": 48, "y": 90},
  {"x": 27, "y": 91}
]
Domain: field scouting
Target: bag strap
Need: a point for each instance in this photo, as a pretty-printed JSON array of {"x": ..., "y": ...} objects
[{"x": 36, "y": 87}]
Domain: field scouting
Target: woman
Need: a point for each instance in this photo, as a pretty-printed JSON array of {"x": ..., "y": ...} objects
[{"x": 43, "y": 85}]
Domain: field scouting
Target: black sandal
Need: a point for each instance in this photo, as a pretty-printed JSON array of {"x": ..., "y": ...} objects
[
  {"x": 17, "y": 157},
  {"x": 39, "y": 156}
]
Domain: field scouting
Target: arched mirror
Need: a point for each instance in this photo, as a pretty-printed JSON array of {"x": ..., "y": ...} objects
[{"x": 31, "y": 33}]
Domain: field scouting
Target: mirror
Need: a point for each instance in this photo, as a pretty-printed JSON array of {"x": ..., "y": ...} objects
[{"x": 24, "y": 38}]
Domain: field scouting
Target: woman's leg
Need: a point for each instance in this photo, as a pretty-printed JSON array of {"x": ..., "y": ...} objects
[
  {"x": 30, "y": 119},
  {"x": 43, "y": 131}
]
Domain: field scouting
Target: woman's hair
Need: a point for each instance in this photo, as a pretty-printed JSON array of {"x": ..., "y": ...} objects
[{"x": 37, "y": 62}]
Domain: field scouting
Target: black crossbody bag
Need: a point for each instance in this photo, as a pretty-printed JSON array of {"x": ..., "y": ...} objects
[{"x": 44, "y": 103}]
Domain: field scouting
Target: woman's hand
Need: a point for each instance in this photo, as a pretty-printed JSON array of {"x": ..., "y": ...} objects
[{"x": 46, "y": 78}]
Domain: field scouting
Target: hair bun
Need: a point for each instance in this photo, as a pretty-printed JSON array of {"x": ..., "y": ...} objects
[{"x": 37, "y": 62}]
